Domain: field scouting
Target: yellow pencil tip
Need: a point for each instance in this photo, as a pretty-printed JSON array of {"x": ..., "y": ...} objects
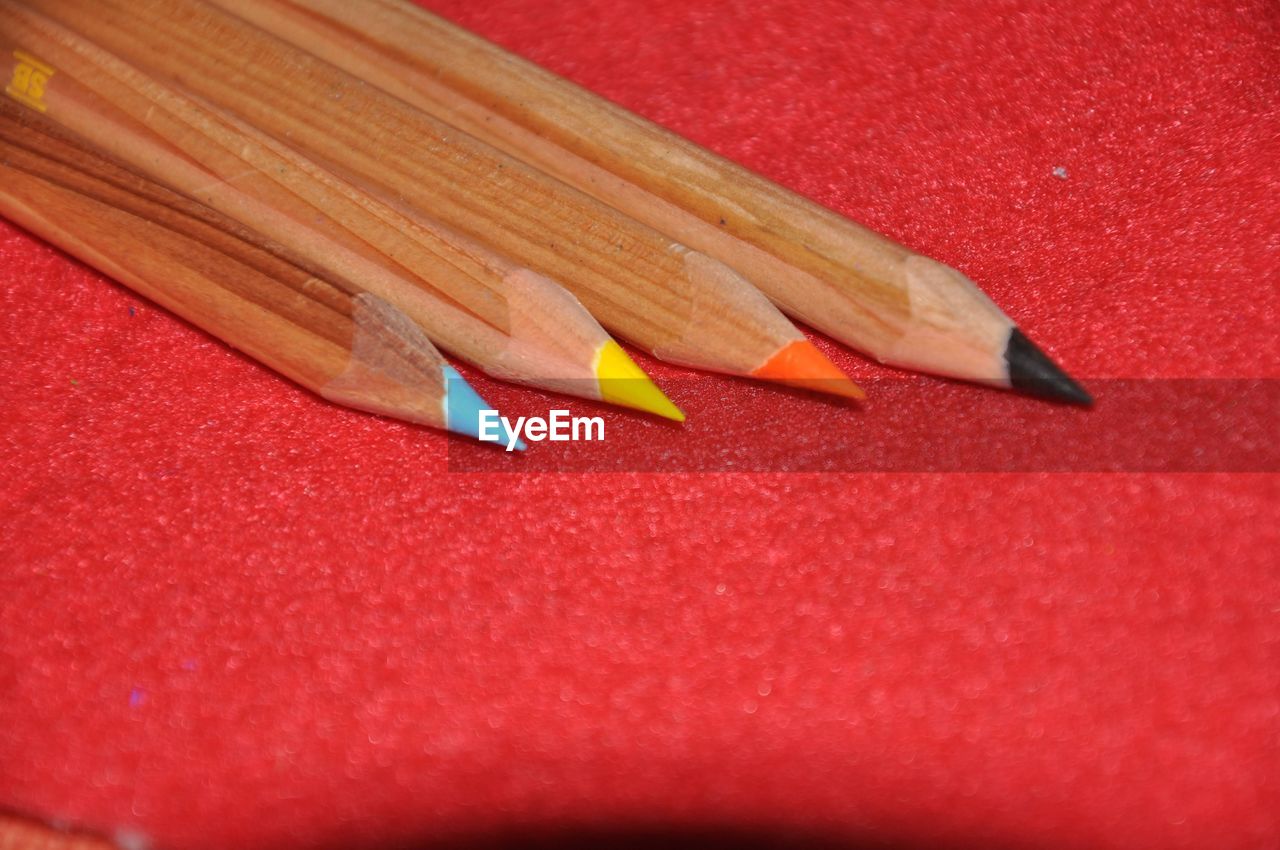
[
  {"x": 801, "y": 364},
  {"x": 623, "y": 382}
]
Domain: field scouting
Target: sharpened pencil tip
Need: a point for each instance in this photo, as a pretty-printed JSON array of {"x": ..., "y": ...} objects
[
  {"x": 463, "y": 406},
  {"x": 801, "y": 364},
  {"x": 1033, "y": 373},
  {"x": 623, "y": 382}
]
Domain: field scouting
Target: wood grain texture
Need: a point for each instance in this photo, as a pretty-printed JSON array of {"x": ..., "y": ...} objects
[
  {"x": 853, "y": 284},
  {"x": 678, "y": 304},
  {"x": 339, "y": 343},
  {"x": 505, "y": 319}
]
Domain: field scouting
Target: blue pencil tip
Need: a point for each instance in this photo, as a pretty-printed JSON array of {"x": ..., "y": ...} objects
[{"x": 463, "y": 406}]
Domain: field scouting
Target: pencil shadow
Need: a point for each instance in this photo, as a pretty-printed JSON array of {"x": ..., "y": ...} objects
[
  {"x": 834, "y": 402},
  {"x": 652, "y": 836}
]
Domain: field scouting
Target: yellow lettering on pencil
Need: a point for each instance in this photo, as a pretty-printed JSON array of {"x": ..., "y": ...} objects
[{"x": 30, "y": 76}]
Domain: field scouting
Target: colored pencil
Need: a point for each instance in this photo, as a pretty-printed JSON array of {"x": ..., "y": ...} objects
[
  {"x": 507, "y": 320},
  {"x": 678, "y": 304},
  {"x": 356, "y": 350},
  {"x": 861, "y": 288}
]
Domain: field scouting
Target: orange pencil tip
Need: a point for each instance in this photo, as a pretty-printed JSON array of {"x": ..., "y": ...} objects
[{"x": 801, "y": 364}]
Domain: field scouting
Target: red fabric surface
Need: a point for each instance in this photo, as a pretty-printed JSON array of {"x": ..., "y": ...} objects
[{"x": 234, "y": 615}]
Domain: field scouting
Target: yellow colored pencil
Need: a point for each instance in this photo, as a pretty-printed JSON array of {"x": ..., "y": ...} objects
[{"x": 508, "y": 320}]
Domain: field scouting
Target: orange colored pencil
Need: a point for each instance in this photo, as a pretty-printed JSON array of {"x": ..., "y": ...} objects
[{"x": 681, "y": 305}]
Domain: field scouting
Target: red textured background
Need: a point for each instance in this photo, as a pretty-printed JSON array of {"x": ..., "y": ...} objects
[{"x": 234, "y": 616}]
